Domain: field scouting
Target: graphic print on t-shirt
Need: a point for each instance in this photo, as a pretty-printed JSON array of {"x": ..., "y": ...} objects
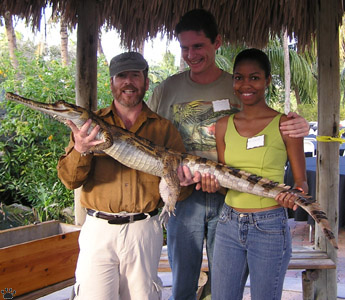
[{"x": 196, "y": 123}]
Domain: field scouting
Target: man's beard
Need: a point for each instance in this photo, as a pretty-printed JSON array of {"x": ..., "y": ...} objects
[{"x": 130, "y": 101}]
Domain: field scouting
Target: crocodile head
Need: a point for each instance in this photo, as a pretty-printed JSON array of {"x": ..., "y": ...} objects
[{"x": 63, "y": 111}]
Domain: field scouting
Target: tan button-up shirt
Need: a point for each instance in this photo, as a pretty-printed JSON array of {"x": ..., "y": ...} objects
[{"x": 109, "y": 186}]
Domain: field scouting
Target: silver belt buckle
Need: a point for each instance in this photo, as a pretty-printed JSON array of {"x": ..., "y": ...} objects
[{"x": 131, "y": 218}]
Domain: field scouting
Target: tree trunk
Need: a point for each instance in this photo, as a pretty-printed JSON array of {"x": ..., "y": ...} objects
[
  {"x": 64, "y": 41},
  {"x": 99, "y": 46},
  {"x": 298, "y": 97},
  {"x": 11, "y": 38},
  {"x": 286, "y": 72}
]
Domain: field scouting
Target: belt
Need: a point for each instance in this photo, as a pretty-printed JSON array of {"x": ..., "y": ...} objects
[{"x": 118, "y": 219}]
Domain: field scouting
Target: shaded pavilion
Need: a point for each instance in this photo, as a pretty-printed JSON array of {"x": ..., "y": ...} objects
[{"x": 247, "y": 21}]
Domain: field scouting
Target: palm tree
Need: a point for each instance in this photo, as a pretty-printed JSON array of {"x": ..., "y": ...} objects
[
  {"x": 60, "y": 18},
  {"x": 225, "y": 56},
  {"x": 64, "y": 41},
  {"x": 303, "y": 78},
  {"x": 11, "y": 38}
]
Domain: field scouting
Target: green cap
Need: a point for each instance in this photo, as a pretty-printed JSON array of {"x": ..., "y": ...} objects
[{"x": 128, "y": 61}]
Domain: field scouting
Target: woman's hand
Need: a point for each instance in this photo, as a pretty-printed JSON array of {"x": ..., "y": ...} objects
[
  {"x": 287, "y": 199},
  {"x": 208, "y": 183}
]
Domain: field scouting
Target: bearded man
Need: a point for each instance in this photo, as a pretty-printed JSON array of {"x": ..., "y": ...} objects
[{"x": 121, "y": 239}]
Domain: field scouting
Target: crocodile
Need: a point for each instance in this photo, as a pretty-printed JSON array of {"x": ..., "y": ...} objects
[{"x": 140, "y": 154}]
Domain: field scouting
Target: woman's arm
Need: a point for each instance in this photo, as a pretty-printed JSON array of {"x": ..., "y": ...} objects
[
  {"x": 221, "y": 126},
  {"x": 295, "y": 152},
  {"x": 208, "y": 182}
]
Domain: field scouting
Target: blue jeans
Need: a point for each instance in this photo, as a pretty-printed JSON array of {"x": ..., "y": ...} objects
[
  {"x": 196, "y": 219},
  {"x": 256, "y": 243}
]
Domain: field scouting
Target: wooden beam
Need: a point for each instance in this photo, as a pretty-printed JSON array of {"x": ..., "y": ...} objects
[
  {"x": 47, "y": 290},
  {"x": 86, "y": 76},
  {"x": 327, "y": 191}
]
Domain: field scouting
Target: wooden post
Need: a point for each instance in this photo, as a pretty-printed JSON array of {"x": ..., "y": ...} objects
[
  {"x": 308, "y": 285},
  {"x": 327, "y": 191},
  {"x": 87, "y": 42},
  {"x": 86, "y": 78}
]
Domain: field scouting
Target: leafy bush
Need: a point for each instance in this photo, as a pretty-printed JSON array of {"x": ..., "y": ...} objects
[
  {"x": 158, "y": 73},
  {"x": 308, "y": 111},
  {"x": 30, "y": 142}
]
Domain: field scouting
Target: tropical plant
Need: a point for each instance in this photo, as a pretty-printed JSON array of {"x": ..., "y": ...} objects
[
  {"x": 303, "y": 80},
  {"x": 225, "y": 56},
  {"x": 11, "y": 37},
  {"x": 31, "y": 143},
  {"x": 157, "y": 73}
]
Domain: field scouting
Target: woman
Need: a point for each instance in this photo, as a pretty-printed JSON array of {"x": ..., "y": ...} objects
[{"x": 252, "y": 234}]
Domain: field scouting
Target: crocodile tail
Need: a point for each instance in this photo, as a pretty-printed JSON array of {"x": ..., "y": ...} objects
[{"x": 313, "y": 208}]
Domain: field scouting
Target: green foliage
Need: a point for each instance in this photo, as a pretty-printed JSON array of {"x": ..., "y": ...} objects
[
  {"x": 302, "y": 73},
  {"x": 308, "y": 111},
  {"x": 30, "y": 142},
  {"x": 158, "y": 73},
  {"x": 15, "y": 215},
  {"x": 104, "y": 96},
  {"x": 225, "y": 57}
]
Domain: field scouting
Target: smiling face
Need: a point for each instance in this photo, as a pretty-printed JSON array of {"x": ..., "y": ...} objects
[
  {"x": 250, "y": 82},
  {"x": 129, "y": 87},
  {"x": 198, "y": 52}
]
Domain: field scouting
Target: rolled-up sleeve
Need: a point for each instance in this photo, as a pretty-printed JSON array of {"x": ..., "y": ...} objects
[{"x": 73, "y": 168}]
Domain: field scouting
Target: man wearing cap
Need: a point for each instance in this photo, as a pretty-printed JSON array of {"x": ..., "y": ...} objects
[{"x": 121, "y": 239}]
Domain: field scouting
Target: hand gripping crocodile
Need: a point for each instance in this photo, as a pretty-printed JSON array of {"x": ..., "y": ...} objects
[{"x": 142, "y": 155}]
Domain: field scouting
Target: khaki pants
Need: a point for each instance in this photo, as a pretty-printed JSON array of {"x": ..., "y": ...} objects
[{"x": 119, "y": 262}]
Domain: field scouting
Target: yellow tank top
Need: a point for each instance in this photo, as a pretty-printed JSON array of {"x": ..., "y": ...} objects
[{"x": 267, "y": 161}]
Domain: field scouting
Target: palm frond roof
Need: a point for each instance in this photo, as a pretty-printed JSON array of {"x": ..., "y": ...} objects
[{"x": 240, "y": 21}]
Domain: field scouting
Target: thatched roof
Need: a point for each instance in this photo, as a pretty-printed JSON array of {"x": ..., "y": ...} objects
[{"x": 249, "y": 21}]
